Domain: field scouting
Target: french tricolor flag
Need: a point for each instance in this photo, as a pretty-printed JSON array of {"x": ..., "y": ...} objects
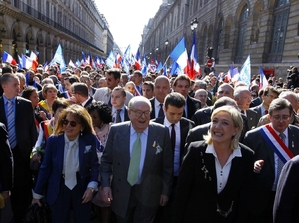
[
  {"x": 6, "y": 57},
  {"x": 195, "y": 68},
  {"x": 180, "y": 56}
]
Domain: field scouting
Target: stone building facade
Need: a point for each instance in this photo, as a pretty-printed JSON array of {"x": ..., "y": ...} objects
[
  {"x": 40, "y": 25},
  {"x": 268, "y": 30}
]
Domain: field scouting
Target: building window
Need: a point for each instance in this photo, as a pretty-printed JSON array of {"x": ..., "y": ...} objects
[
  {"x": 241, "y": 35},
  {"x": 279, "y": 27},
  {"x": 219, "y": 40}
]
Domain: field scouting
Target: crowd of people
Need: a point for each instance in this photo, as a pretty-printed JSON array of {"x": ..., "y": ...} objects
[{"x": 111, "y": 147}]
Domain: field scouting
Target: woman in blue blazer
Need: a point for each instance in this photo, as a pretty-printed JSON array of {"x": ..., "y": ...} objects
[{"x": 69, "y": 170}]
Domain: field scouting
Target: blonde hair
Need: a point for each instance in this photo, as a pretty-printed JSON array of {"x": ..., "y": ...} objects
[
  {"x": 80, "y": 114},
  {"x": 238, "y": 123},
  {"x": 47, "y": 87}
]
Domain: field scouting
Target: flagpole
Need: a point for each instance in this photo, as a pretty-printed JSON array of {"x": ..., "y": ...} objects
[{"x": 166, "y": 60}]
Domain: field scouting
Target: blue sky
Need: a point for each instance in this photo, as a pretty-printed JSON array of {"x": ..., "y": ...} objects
[{"x": 127, "y": 18}]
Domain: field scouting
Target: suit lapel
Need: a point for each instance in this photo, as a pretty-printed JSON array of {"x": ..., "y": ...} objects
[
  {"x": 150, "y": 150},
  {"x": 210, "y": 166},
  {"x": 2, "y": 112},
  {"x": 60, "y": 152},
  {"x": 292, "y": 143},
  {"x": 81, "y": 152},
  {"x": 123, "y": 141}
]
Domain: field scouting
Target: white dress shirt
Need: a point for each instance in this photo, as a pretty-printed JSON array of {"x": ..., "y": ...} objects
[
  {"x": 222, "y": 173},
  {"x": 177, "y": 149}
]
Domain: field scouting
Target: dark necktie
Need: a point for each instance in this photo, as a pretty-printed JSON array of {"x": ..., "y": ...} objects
[
  {"x": 161, "y": 112},
  {"x": 172, "y": 137},
  {"x": 242, "y": 112},
  {"x": 280, "y": 164},
  {"x": 118, "y": 119},
  {"x": 266, "y": 112}
]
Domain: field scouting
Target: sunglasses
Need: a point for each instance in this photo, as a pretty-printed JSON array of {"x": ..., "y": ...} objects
[{"x": 72, "y": 123}]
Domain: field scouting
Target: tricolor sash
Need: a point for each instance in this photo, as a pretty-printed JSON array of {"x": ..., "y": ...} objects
[{"x": 276, "y": 144}]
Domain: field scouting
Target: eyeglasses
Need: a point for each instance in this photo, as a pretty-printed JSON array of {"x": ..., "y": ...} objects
[
  {"x": 140, "y": 113},
  {"x": 72, "y": 123},
  {"x": 281, "y": 118},
  {"x": 202, "y": 96}
]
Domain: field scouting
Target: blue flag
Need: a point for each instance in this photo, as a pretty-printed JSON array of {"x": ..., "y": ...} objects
[
  {"x": 160, "y": 66},
  {"x": 58, "y": 58},
  {"x": 144, "y": 67},
  {"x": 245, "y": 73}
]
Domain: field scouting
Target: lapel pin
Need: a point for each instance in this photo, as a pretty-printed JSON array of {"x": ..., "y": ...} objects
[{"x": 154, "y": 144}]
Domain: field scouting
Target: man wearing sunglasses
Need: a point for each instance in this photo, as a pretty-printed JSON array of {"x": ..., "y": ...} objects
[
  {"x": 274, "y": 144},
  {"x": 139, "y": 156}
]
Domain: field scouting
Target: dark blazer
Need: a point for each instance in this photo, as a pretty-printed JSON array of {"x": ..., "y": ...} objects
[
  {"x": 255, "y": 102},
  {"x": 126, "y": 116},
  {"x": 152, "y": 101},
  {"x": 25, "y": 127},
  {"x": 90, "y": 101},
  {"x": 196, "y": 197},
  {"x": 252, "y": 119},
  {"x": 185, "y": 126},
  {"x": 192, "y": 106},
  {"x": 286, "y": 204},
  {"x": 157, "y": 173},
  {"x": 51, "y": 169},
  {"x": 5, "y": 161},
  {"x": 264, "y": 180},
  {"x": 258, "y": 110},
  {"x": 202, "y": 116}
]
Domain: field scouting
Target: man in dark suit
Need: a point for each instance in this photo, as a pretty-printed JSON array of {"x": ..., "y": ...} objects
[
  {"x": 119, "y": 110},
  {"x": 203, "y": 116},
  {"x": 286, "y": 204},
  {"x": 139, "y": 156},
  {"x": 5, "y": 164},
  {"x": 178, "y": 129},
  {"x": 161, "y": 89},
  {"x": 18, "y": 116},
  {"x": 270, "y": 93},
  {"x": 182, "y": 85},
  {"x": 80, "y": 92},
  {"x": 264, "y": 141},
  {"x": 243, "y": 98},
  {"x": 197, "y": 133}
]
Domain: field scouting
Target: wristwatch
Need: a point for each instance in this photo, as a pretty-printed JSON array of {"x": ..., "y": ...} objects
[{"x": 92, "y": 190}]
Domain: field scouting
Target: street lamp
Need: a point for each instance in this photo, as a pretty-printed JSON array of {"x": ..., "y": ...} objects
[
  {"x": 166, "y": 44},
  {"x": 194, "y": 24}
]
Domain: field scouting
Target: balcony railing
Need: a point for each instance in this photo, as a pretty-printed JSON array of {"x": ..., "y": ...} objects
[{"x": 38, "y": 15}]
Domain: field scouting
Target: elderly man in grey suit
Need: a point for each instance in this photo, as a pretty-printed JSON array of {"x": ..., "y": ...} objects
[{"x": 138, "y": 155}]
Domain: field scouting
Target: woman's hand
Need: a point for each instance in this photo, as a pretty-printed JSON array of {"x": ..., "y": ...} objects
[
  {"x": 87, "y": 196},
  {"x": 36, "y": 201},
  {"x": 258, "y": 165}
]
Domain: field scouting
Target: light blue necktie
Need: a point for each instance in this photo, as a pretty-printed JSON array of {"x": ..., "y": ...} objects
[
  {"x": 11, "y": 124},
  {"x": 133, "y": 171}
]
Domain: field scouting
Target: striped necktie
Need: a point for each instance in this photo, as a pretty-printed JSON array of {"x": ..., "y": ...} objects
[{"x": 11, "y": 124}]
